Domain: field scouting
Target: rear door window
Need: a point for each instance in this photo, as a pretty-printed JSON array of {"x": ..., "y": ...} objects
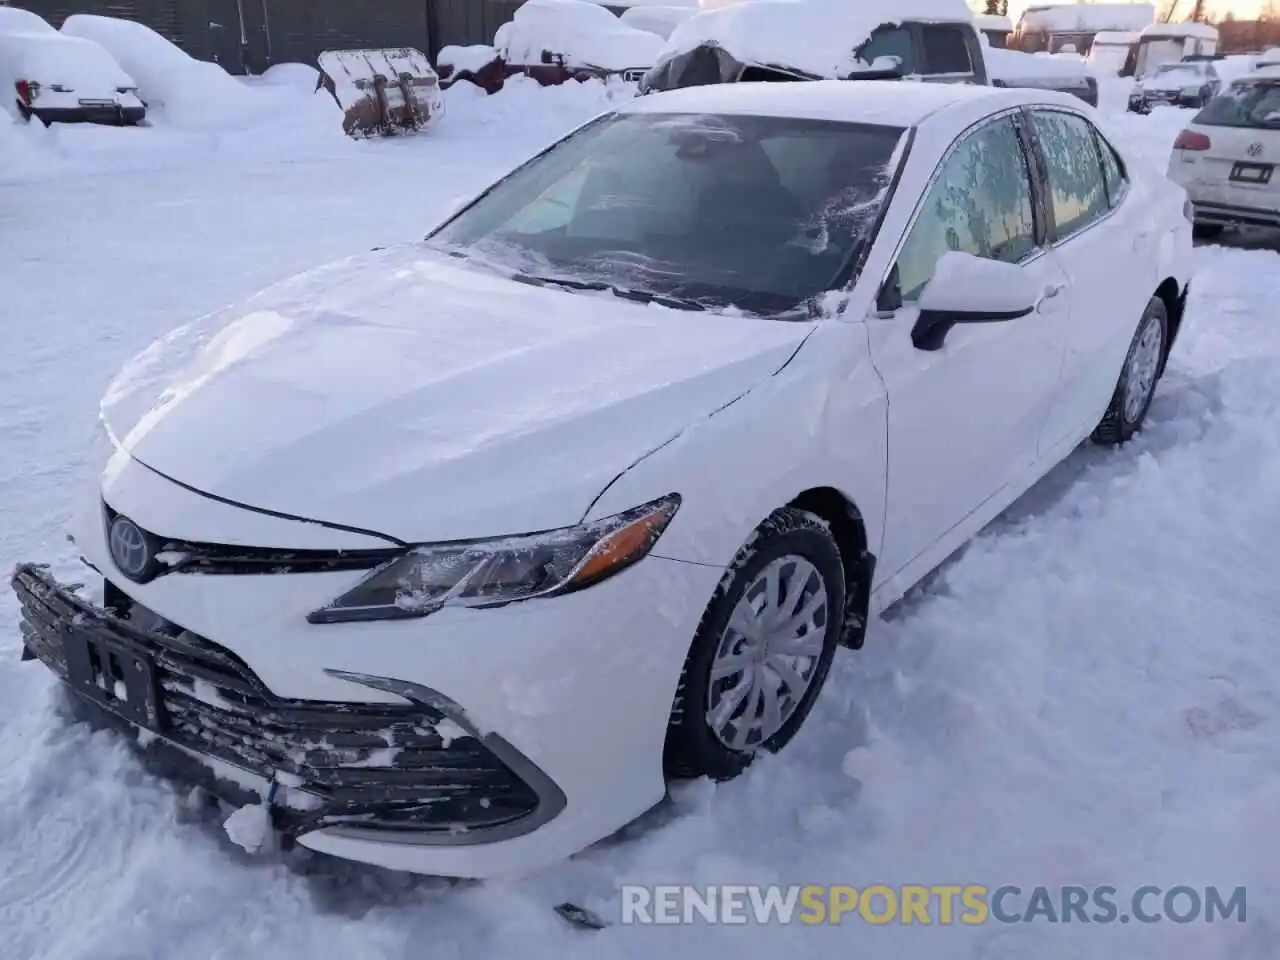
[{"x": 1077, "y": 189}]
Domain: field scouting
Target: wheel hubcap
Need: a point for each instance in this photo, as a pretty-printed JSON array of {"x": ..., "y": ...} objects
[
  {"x": 1141, "y": 376},
  {"x": 768, "y": 653}
]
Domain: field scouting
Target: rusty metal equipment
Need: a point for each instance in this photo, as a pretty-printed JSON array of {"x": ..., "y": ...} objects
[{"x": 382, "y": 92}]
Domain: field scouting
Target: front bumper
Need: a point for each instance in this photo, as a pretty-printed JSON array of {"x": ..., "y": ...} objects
[
  {"x": 577, "y": 688},
  {"x": 107, "y": 114},
  {"x": 1147, "y": 102},
  {"x": 379, "y": 766}
]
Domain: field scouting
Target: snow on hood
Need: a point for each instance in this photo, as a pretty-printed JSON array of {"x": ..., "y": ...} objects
[
  {"x": 584, "y": 33},
  {"x": 818, "y": 37},
  {"x": 416, "y": 397},
  {"x": 1177, "y": 77},
  {"x": 1011, "y": 65}
]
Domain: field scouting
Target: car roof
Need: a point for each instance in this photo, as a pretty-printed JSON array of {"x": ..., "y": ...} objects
[{"x": 892, "y": 103}]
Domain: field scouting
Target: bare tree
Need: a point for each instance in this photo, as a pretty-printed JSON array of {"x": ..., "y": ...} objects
[{"x": 997, "y": 8}]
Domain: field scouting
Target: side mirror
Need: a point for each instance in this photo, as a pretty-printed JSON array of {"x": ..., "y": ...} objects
[{"x": 969, "y": 289}]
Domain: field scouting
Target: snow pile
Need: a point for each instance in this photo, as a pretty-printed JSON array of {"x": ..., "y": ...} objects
[
  {"x": 523, "y": 102},
  {"x": 20, "y": 153},
  {"x": 454, "y": 60},
  {"x": 818, "y": 37},
  {"x": 584, "y": 34},
  {"x": 1196, "y": 31},
  {"x": 1088, "y": 17},
  {"x": 297, "y": 76},
  {"x": 17, "y": 20},
  {"x": 993, "y": 23},
  {"x": 196, "y": 95},
  {"x": 660, "y": 20}
]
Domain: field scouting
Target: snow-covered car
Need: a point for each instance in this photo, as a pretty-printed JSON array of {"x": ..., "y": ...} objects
[
  {"x": 450, "y": 556},
  {"x": 1226, "y": 158},
  {"x": 1189, "y": 84},
  {"x": 930, "y": 40},
  {"x": 1012, "y": 68},
  {"x": 555, "y": 40},
  {"x": 933, "y": 40},
  {"x": 61, "y": 79}
]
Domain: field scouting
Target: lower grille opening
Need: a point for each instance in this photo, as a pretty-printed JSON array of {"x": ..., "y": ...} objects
[{"x": 378, "y": 766}]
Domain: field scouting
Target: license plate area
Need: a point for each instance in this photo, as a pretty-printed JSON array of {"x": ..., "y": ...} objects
[
  {"x": 1259, "y": 173},
  {"x": 113, "y": 676}
]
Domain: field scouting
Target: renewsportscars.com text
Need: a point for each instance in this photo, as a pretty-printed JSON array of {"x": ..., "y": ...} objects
[{"x": 934, "y": 904}]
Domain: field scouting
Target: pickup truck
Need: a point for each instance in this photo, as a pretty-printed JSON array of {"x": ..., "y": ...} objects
[{"x": 928, "y": 40}]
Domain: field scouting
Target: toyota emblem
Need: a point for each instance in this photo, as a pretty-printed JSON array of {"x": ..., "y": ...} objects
[
  {"x": 1254, "y": 149},
  {"x": 130, "y": 549}
]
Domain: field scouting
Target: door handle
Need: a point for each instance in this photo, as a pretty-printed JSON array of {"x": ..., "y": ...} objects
[{"x": 1050, "y": 291}]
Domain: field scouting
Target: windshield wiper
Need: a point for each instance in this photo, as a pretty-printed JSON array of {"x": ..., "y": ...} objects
[{"x": 626, "y": 293}]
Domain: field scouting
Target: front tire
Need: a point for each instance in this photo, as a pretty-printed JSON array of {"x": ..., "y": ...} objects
[
  {"x": 762, "y": 650},
  {"x": 1138, "y": 378}
]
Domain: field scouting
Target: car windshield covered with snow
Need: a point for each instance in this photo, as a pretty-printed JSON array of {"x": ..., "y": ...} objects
[
  {"x": 1247, "y": 103},
  {"x": 697, "y": 211}
]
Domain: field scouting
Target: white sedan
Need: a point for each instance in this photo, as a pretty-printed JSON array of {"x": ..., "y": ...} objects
[
  {"x": 451, "y": 556},
  {"x": 1226, "y": 158}
]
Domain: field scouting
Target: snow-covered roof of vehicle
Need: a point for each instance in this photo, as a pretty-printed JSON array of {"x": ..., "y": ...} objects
[
  {"x": 989, "y": 21},
  {"x": 886, "y": 102},
  {"x": 17, "y": 20},
  {"x": 817, "y": 37},
  {"x": 1087, "y": 17},
  {"x": 1117, "y": 38},
  {"x": 1011, "y": 65},
  {"x": 584, "y": 33},
  {"x": 660, "y": 20},
  {"x": 49, "y": 58},
  {"x": 1200, "y": 31}
]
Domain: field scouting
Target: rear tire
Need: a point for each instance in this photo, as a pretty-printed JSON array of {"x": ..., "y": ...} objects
[
  {"x": 1138, "y": 377},
  {"x": 762, "y": 650}
]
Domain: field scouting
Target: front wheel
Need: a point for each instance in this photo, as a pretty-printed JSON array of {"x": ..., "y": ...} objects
[
  {"x": 762, "y": 651},
  {"x": 1138, "y": 377}
]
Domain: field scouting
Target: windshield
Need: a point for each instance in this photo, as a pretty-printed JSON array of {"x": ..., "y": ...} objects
[
  {"x": 1251, "y": 104},
  {"x": 694, "y": 210},
  {"x": 1180, "y": 71}
]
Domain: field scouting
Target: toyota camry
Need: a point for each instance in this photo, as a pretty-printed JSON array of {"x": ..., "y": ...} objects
[{"x": 452, "y": 556}]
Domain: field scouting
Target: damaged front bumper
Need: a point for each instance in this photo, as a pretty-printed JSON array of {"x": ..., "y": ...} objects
[{"x": 417, "y": 770}]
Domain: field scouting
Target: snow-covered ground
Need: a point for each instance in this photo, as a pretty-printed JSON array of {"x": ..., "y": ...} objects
[{"x": 1086, "y": 696}]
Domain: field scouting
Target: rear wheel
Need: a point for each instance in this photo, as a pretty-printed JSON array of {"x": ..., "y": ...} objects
[
  {"x": 1138, "y": 377},
  {"x": 762, "y": 651}
]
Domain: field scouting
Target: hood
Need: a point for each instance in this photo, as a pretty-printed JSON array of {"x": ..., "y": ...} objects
[
  {"x": 402, "y": 393},
  {"x": 1173, "y": 81}
]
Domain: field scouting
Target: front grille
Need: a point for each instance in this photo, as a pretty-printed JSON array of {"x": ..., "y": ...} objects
[
  {"x": 376, "y": 765},
  {"x": 188, "y": 556}
]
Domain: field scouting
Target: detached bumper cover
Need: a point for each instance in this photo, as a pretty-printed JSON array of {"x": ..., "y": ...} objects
[{"x": 414, "y": 769}]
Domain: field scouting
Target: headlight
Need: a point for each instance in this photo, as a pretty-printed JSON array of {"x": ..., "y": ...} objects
[{"x": 491, "y": 573}]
